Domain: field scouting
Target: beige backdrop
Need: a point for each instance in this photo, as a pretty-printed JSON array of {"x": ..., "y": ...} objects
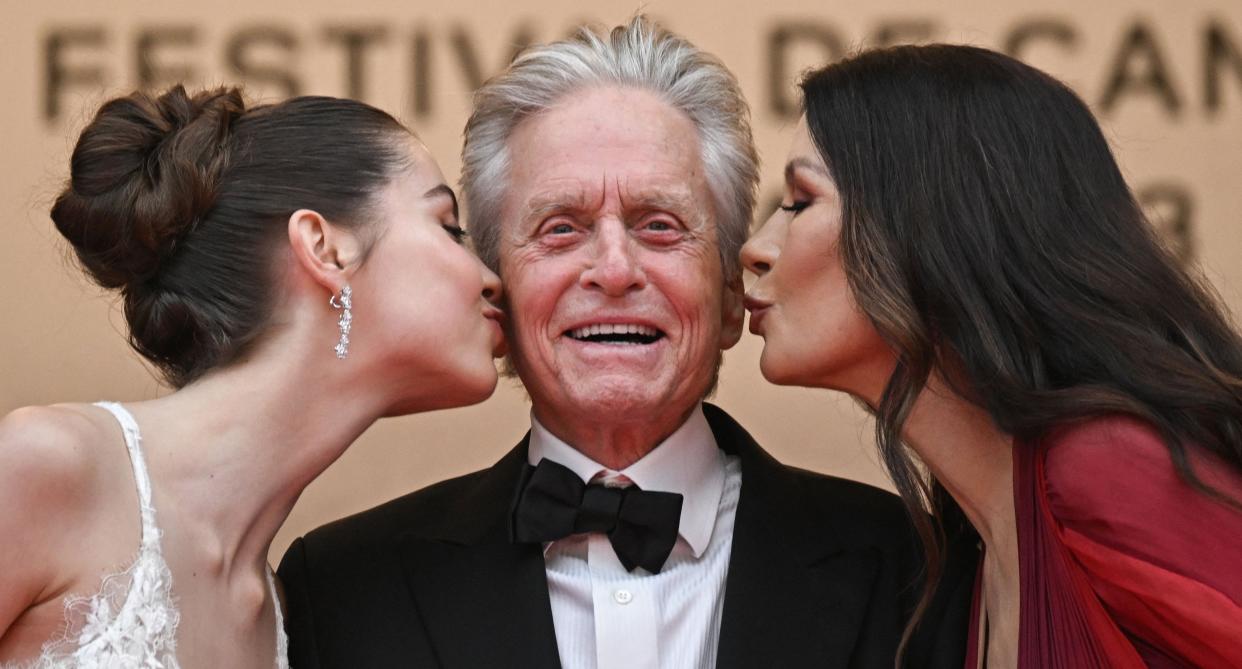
[{"x": 1165, "y": 78}]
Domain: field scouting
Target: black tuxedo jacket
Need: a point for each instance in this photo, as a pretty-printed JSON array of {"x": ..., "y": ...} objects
[{"x": 822, "y": 574}]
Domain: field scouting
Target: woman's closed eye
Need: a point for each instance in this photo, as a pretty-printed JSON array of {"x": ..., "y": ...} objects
[
  {"x": 796, "y": 206},
  {"x": 456, "y": 232}
]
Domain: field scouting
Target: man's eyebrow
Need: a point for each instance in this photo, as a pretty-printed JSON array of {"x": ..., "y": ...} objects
[
  {"x": 549, "y": 202},
  {"x": 442, "y": 190},
  {"x": 805, "y": 163},
  {"x": 674, "y": 200}
]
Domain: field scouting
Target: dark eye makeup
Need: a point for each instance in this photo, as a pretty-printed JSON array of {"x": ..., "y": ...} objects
[{"x": 456, "y": 232}]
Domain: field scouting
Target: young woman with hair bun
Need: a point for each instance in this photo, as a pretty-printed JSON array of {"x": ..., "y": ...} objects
[{"x": 295, "y": 271}]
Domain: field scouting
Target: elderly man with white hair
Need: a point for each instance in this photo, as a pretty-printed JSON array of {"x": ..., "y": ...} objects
[{"x": 610, "y": 181}]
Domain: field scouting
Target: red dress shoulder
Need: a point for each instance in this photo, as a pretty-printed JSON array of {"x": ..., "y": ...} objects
[
  {"x": 1122, "y": 563},
  {"x": 1164, "y": 560}
]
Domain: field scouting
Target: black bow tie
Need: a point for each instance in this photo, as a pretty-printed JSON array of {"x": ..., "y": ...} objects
[{"x": 554, "y": 503}]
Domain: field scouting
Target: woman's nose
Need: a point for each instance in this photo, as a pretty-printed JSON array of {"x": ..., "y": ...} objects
[
  {"x": 761, "y": 251},
  {"x": 492, "y": 287}
]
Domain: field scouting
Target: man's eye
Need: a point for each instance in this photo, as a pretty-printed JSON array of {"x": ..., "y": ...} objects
[
  {"x": 560, "y": 228},
  {"x": 660, "y": 226}
]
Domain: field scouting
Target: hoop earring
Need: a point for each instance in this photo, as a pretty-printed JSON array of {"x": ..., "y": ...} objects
[{"x": 345, "y": 305}]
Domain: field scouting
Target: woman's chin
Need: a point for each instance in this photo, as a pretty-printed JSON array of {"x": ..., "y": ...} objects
[
  {"x": 474, "y": 386},
  {"x": 471, "y": 386},
  {"x": 783, "y": 372},
  {"x": 484, "y": 384}
]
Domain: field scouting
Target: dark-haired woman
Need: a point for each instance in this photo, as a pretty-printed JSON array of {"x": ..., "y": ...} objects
[
  {"x": 957, "y": 249},
  {"x": 295, "y": 272}
]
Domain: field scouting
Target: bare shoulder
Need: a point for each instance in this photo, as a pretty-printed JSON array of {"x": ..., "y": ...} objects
[
  {"x": 56, "y": 464},
  {"x": 50, "y": 478},
  {"x": 53, "y": 424},
  {"x": 52, "y": 449}
]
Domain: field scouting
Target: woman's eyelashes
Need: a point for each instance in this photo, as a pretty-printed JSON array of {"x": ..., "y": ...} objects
[
  {"x": 795, "y": 206},
  {"x": 456, "y": 232}
]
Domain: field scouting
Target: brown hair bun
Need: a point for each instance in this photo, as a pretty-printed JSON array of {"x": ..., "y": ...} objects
[
  {"x": 179, "y": 201},
  {"x": 143, "y": 173}
]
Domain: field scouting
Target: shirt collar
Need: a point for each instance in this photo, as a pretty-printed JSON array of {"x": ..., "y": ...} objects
[{"x": 688, "y": 462}]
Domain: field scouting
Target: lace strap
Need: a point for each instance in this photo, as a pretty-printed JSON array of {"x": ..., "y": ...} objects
[
  {"x": 282, "y": 640},
  {"x": 133, "y": 443}
]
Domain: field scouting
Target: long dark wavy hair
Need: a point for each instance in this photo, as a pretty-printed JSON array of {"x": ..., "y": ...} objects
[{"x": 989, "y": 236}]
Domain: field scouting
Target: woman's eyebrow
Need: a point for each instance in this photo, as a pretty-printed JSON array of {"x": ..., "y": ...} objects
[
  {"x": 440, "y": 191},
  {"x": 805, "y": 163}
]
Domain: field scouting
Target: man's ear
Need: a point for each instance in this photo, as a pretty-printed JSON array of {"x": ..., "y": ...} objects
[
  {"x": 732, "y": 312},
  {"x": 327, "y": 253}
]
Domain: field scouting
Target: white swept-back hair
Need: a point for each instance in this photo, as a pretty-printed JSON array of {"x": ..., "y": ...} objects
[{"x": 642, "y": 55}]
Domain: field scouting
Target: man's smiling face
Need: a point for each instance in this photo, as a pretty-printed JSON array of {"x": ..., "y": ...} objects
[{"x": 617, "y": 303}]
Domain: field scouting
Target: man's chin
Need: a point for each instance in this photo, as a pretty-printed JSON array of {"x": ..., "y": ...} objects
[
  {"x": 624, "y": 399},
  {"x": 620, "y": 395}
]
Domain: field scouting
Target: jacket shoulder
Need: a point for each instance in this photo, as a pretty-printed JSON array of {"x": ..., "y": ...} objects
[
  {"x": 872, "y": 514},
  {"x": 415, "y": 512},
  {"x": 860, "y": 514},
  {"x": 848, "y": 494}
]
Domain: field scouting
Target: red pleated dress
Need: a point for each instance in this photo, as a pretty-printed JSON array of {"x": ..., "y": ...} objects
[{"x": 1121, "y": 563}]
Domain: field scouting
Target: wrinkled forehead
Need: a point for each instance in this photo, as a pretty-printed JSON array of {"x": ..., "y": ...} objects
[
  {"x": 607, "y": 149},
  {"x": 617, "y": 195}
]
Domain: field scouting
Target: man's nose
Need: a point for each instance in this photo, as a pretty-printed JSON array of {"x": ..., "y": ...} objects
[{"x": 614, "y": 266}]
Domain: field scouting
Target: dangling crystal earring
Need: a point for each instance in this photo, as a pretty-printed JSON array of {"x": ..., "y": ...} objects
[{"x": 347, "y": 319}]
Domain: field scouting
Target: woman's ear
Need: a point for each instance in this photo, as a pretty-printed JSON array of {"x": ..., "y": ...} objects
[{"x": 328, "y": 253}]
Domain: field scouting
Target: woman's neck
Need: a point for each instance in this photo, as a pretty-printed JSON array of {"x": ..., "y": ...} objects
[
  {"x": 233, "y": 451},
  {"x": 973, "y": 459},
  {"x": 969, "y": 455}
]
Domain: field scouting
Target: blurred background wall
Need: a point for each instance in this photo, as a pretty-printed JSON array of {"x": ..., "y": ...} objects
[{"x": 1165, "y": 79}]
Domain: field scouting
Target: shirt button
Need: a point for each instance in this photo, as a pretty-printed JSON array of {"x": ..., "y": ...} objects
[{"x": 623, "y": 596}]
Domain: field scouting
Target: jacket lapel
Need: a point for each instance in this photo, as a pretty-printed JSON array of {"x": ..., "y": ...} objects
[
  {"x": 483, "y": 600},
  {"x": 794, "y": 595}
]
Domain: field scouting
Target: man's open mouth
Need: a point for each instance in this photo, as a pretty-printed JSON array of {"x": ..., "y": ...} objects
[{"x": 621, "y": 334}]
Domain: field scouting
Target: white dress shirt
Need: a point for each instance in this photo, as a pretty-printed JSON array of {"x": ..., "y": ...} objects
[{"x": 608, "y": 618}]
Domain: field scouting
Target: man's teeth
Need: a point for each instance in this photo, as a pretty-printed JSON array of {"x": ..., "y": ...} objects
[{"x": 613, "y": 329}]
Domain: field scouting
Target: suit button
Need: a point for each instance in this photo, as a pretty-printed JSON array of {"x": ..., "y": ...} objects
[{"x": 623, "y": 596}]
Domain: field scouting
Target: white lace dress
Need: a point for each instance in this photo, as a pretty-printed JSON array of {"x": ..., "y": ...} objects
[{"x": 131, "y": 623}]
